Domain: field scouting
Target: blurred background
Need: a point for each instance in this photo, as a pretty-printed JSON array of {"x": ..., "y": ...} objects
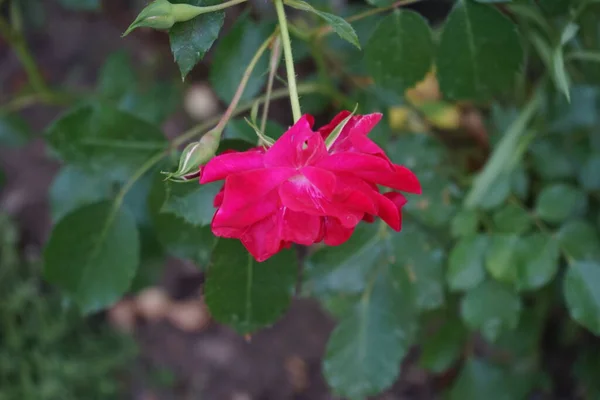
[{"x": 159, "y": 342}]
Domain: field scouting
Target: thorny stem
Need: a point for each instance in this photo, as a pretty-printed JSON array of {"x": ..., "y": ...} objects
[
  {"x": 289, "y": 61},
  {"x": 242, "y": 86},
  {"x": 273, "y": 64}
]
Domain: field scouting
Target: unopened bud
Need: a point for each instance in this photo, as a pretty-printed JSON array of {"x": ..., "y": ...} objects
[
  {"x": 160, "y": 14},
  {"x": 196, "y": 154},
  {"x": 156, "y": 15}
]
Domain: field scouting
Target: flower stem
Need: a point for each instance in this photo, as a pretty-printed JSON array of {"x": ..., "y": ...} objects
[
  {"x": 273, "y": 65},
  {"x": 187, "y": 12},
  {"x": 289, "y": 60},
  {"x": 17, "y": 42},
  {"x": 242, "y": 86}
]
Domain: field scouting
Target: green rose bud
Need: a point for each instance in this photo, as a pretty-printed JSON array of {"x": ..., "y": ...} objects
[
  {"x": 196, "y": 154},
  {"x": 160, "y": 14},
  {"x": 157, "y": 15}
]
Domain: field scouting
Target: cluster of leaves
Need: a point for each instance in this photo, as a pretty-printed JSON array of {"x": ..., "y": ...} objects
[
  {"x": 47, "y": 352},
  {"x": 484, "y": 264}
]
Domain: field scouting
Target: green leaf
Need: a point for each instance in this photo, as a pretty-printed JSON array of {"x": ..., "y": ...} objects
[
  {"x": 192, "y": 39},
  {"x": 232, "y": 56},
  {"x": 93, "y": 254},
  {"x": 506, "y": 154},
  {"x": 479, "y": 54},
  {"x": 179, "y": 237},
  {"x": 465, "y": 265},
  {"x": 481, "y": 380},
  {"x": 559, "y": 201},
  {"x": 512, "y": 219},
  {"x": 101, "y": 138},
  {"x": 116, "y": 76},
  {"x": 538, "y": 257},
  {"x": 497, "y": 194},
  {"x": 419, "y": 264},
  {"x": 520, "y": 183},
  {"x": 436, "y": 206},
  {"x": 501, "y": 257},
  {"x": 381, "y": 272},
  {"x": 491, "y": 308},
  {"x": 191, "y": 201},
  {"x": 582, "y": 295},
  {"x": 464, "y": 223},
  {"x": 493, "y": 1},
  {"x": 338, "y": 270},
  {"x": 153, "y": 105},
  {"x": 442, "y": 349},
  {"x": 74, "y": 187},
  {"x": 81, "y": 5},
  {"x": 338, "y": 24},
  {"x": 152, "y": 262},
  {"x": 580, "y": 240},
  {"x": 418, "y": 152},
  {"x": 399, "y": 53},
  {"x": 555, "y": 7},
  {"x": 14, "y": 130},
  {"x": 589, "y": 177},
  {"x": 364, "y": 351},
  {"x": 550, "y": 161},
  {"x": 245, "y": 294}
]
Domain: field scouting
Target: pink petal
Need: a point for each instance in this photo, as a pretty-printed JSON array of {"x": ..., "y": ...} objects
[
  {"x": 353, "y": 137},
  {"x": 250, "y": 186},
  {"x": 262, "y": 239},
  {"x": 243, "y": 214},
  {"x": 398, "y": 199},
  {"x": 327, "y": 129},
  {"x": 302, "y": 196},
  {"x": 224, "y": 165},
  {"x": 250, "y": 196},
  {"x": 298, "y": 147},
  {"x": 335, "y": 233},
  {"x": 373, "y": 169},
  {"x": 321, "y": 179},
  {"x": 218, "y": 200},
  {"x": 389, "y": 212},
  {"x": 299, "y": 227}
]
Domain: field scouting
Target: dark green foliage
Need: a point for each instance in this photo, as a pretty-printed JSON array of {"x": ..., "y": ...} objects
[{"x": 47, "y": 350}]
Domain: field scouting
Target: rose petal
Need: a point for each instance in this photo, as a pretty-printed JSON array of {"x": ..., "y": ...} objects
[
  {"x": 321, "y": 179},
  {"x": 224, "y": 165},
  {"x": 335, "y": 233},
  {"x": 373, "y": 169},
  {"x": 262, "y": 239},
  {"x": 298, "y": 147},
  {"x": 302, "y": 196},
  {"x": 299, "y": 227}
]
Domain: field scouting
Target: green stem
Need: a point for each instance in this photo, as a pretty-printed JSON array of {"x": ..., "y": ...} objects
[
  {"x": 289, "y": 61},
  {"x": 275, "y": 95},
  {"x": 242, "y": 86},
  {"x": 185, "y": 12},
  {"x": 17, "y": 42},
  {"x": 273, "y": 65}
]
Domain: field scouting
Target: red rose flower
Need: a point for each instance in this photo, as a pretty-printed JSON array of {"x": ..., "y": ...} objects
[{"x": 299, "y": 191}]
